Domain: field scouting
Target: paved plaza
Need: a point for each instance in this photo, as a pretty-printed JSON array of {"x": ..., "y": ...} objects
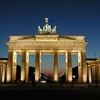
[{"x": 51, "y": 92}]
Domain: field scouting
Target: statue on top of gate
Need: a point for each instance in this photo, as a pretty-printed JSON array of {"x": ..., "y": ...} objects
[{"x": 47, "y": 28}]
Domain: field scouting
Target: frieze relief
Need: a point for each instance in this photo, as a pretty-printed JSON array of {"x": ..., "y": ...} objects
[
  {"x": 46, "y": 46},
  {"x": 46, "y": 37}
]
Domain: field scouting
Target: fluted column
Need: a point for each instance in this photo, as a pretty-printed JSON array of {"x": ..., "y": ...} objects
[
  {"x": 82, "y": 68},
  {"x": 68, "y": 67},
  {"x": 3, "y": 73},
  {"x": 13, "y": 68},
  {"x": 99, "y": 72},
  {"x": 24, "y": 67},
  {"x": 40, "y": 65},
  {"x": 37, "y": 67},
  {"x": 55, "y": 66},
  {"x": 66, "y": 71},
  {"x": 0, "y": 74},
  {"x": 79, "y": 67},
  {"x": 27, "y": 67},
  {"x": 9, "y": 66},
  {"x": 89, "y": 74}
]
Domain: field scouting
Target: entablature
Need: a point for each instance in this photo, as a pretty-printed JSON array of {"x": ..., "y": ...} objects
[{"x": 46, "y": 45}]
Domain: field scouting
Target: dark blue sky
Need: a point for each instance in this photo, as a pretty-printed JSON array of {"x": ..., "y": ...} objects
[{"x": 72, "y": 17}]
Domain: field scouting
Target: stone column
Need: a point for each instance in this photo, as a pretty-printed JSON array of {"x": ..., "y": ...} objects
[
  {"x": 89, "y": 74},
  {"x": 24, "y": 67},
  {"x": 55, "y": 67},
  {"x": 9, "y": 66},
  {"x": 27, "y": 67},
  {"x": 37, "y": 67},
  {"x": 3, "y": 73},
  {"x": 40, "y": 65},
  {"x": 68, "y": 67},
  {"x": 13, "y": 68},
  {"x": 79, "y": 67},
  {"x": 82, "y": 67},
  {"x": 0, "y": 73},
  {"x": 99, "y": 72},
  {"x": 66, "y": 71}
]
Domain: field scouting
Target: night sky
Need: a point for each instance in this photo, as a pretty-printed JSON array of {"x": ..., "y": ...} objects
[{"x": 72, "y": 17}]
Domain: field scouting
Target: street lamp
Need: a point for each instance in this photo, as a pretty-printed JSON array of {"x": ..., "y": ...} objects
[{"x": 74, "y": 76}]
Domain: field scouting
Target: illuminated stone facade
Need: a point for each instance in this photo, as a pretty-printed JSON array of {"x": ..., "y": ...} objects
[
  {"x": 47, "y": 41},
  {"x": 3, "y": 67},
  {"x": 93, "y": 67}
]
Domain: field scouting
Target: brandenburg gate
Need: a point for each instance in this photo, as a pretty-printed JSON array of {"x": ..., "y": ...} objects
[{"x": 46, "y": 41}]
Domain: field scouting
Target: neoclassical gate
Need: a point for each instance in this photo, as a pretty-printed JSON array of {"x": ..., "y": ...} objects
[{"x": 47, "y": 40}]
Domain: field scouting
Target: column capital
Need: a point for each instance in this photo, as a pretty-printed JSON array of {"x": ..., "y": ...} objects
[
  {"x": 55, "y": 50},
  {"x": 10, "y": 50},
  {"x": 68, "y": 51},
  {"x": 24, "y": 50},
  {"x": 82, "y": 50}
]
